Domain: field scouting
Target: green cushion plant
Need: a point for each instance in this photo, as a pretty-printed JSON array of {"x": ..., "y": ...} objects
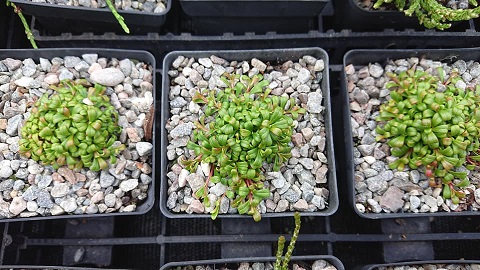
[
  {"x": 75, "y": 126},
  {"x": 249, "y": 128},
  {"x": 432, "y": 124}
]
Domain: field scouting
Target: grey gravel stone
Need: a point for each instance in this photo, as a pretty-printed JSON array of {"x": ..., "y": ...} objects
[
  {"x": 59, "y": 190},
  {"x": 314, "y": 102},
  {"x": 71, "y": 61},
  {"x": 278, "y": 180},
  {"x": 318, "y": 201},
  {"x": 44, "y": 200},
  {"x": 392, "y": 199},
  {"x": 178, "y": 102},
  {"x": 291, "y": 195},
  {"x": 182, "y": 130}
]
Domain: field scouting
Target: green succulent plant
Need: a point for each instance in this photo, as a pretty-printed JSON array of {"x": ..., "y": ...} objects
[
  {"x": 249, "y": 128},
  {"x": 281, "y": 262},
  {"x": 433, "y": 14},
  {"x": 432, "y": 123},
  {"x": 75, "y": 126}
]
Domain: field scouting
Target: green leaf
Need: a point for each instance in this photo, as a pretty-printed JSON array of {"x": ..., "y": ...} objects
[
  {"x": 464, "y": 183},
  {"x": 397, "y": 141},
  {"x": 243, "y": 207},
  {"x": 230, "y": 194},
  {"x": 447, "y": 194},
  {"x": 262, "y": 193},
  {"x": 245, "y": 132},
  {"x": 243, "y": 191}
]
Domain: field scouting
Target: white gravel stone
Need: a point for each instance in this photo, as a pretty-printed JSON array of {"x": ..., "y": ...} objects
[
  {"x": 129, "y": 184},
  {"x": 144, "y": 148},
  {"x": 17, "y": 205},
  {"x": 107, "y": 76}
]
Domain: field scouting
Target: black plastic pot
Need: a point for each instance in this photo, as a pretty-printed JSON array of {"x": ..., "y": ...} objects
[
  {"x": 4, "y": 18},
  {"x": 273, "y": 56},
  {"x": 143, "y": 56},
  {"x": 217, "y": 264},
  {"x": 363, "y": 58},
  {"x": 420, "y": 263},
  {"x": 215, "y": 17},
  {"x": 357, "y": 18},
  {"x": 62, "y": 18}
]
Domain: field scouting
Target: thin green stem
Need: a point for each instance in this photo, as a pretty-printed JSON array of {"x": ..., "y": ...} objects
[
  {"x": 28, "y": 32},
  {"x": 119, "y": 17}
]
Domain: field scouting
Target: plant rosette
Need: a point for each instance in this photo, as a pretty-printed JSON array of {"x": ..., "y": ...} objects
[
  {"x": 248, "y": 178},
  {"x": 41, "y": 172},
  {"x": 415, "y": 134}
]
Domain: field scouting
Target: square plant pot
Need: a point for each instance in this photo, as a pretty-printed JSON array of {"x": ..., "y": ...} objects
[
  {"x": 358, "y": 18},
  {"x": 324, "y": 261},
  {"x": 215, "y": 17},
  {"x": 34, "y": 190},
  {"x": 177, "y": 133},
  {"x": 443, "y": 264},
  {"x": 62, "y": 18},
  {"x": 376, "y": 190}
]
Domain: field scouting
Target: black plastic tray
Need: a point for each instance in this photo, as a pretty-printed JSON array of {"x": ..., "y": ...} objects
[
  {"x": 363, "y": 58},
  {"x": 109, "y": 53},
  {"x": 220, "y": 16},
  {"x": 275, "y": 56},
  {"x": 217, "y": 264},
  {"x": 4, "y": 17},
  {"x": 62, "y": 18}
]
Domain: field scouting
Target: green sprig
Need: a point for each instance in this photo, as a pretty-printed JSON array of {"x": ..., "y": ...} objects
[
  {"x": 28, "y": 32},
  {"x": 281, "y": 262},
  {"x": 119, "y": 17}
]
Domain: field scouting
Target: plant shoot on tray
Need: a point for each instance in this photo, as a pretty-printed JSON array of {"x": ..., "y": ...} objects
[
  {"x": 281, "y": 262},
  {"x": 28, "y": 31},
  {"x": 243, "y": 128},
  {"x": 431, "y": 123}
]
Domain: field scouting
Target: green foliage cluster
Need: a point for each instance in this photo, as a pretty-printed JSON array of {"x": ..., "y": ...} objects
[
  {"x": 433, "y": 14},
  {"x": 426, "y": 126},
  {"x": 75, "y": 126},
  {"x": 281, "y": 262},
  {"x": 250, "y": 127}
]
